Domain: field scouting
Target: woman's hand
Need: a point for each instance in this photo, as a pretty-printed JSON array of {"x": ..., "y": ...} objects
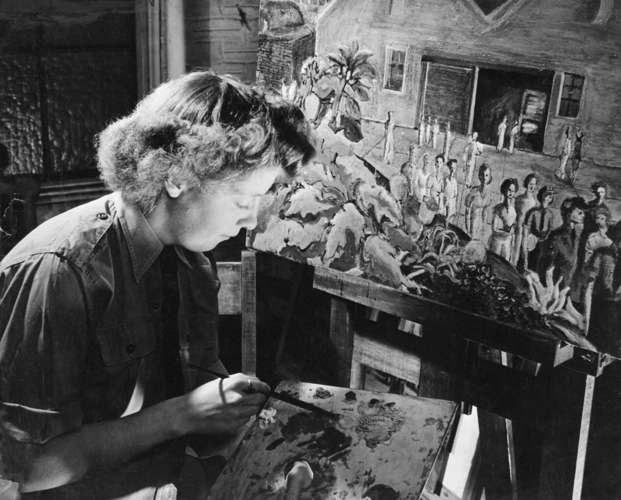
[{"x": 222, "y": 406}]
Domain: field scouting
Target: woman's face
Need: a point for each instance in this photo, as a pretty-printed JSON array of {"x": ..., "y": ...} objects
[
  {"x": 531, "y": 187},
  {"x": 510, "y": 193},
  {"x": 201, "y": 219},
  {"x": 601, "y": 220},
  {"x": 576, "y": 216},
  {"x": 426, "y": 164},
  {"x": 486, "y": 176}
]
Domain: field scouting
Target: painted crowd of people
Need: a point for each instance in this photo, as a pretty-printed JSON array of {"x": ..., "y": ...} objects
[{"x": 522, "y": 227}]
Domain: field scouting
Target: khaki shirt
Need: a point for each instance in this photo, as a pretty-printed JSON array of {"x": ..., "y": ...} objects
[{"x": 81, "y": 336}]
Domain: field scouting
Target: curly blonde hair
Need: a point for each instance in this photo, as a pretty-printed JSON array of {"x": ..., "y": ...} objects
[{"x": 198, "y": 128}]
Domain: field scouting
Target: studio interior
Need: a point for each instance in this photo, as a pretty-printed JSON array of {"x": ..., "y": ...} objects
[{"x": 310, "y": 249}]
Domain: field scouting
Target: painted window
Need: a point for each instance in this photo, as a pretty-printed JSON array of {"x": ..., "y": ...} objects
[
  {"x": 395, "y": 69},
  {"x": 571, "y": 94}
]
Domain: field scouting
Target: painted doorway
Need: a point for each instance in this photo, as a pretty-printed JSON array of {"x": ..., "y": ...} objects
[
  {"x": 447, "y": 90},
  {"x": 520, "y": 95}
]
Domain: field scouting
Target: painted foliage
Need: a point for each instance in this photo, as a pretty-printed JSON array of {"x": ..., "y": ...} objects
[{"x": 484, "y": 222}]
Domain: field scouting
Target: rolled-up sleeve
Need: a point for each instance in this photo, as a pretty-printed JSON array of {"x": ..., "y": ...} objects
[{"x": 43, "y": 346}]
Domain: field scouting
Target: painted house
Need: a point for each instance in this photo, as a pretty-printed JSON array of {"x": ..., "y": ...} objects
[{"x": 547, "y": 64}]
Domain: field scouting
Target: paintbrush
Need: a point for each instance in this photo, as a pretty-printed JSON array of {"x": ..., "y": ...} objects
[{"x": 281, "y": 396}]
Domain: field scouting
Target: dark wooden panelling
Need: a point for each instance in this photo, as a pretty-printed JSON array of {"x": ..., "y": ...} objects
[
  {"x": 448, "y": 95},
  {"x": 85, "y": 91},
  {"x": 20, "y": 120}
]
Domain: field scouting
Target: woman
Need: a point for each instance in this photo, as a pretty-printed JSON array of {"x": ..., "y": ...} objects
[
  {"x": 111, "y": 305},
  {"x": 538, "y": 223},
  {"x": 477, "y": 203},
  {"x": 598, "y": 239},
  {"x": 451, "y": 191},
  {"x": 433, "y": 198},
  {"x": 389, "y": 139},
  {"x": 420, "y": 176},
  {"x": 502, "y": 132},
  {"x": 566, "y": 151},
  {"x": 471, "y": 152},
  {"x": 504, "y": 221},
  {"x": 523, "y": 203}
]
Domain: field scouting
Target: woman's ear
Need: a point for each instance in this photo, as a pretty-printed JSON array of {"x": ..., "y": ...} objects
[{"x": 173, "y": 189}]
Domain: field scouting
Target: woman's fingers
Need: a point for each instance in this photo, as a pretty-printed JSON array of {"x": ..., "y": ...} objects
[{"x": 246, "y": 384}]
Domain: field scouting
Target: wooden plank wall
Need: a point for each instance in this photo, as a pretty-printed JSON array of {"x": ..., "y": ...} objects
[{"x": 222, "y": 35}]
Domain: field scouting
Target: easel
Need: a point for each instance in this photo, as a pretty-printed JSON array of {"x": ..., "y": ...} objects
[{"x": 557, "y": 402}]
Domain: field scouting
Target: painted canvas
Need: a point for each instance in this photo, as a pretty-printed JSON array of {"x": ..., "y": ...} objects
[
  {"x": 466, "y": 152},
  {"x": 377, "y": 446}
]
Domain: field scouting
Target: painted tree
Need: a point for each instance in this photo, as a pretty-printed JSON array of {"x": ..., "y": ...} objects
[{"x": 353, "y": 73}]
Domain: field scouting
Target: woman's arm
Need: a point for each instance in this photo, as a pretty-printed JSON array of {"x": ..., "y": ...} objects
[
  {"x": 498, "y": 223},
  {"x": 218, "y": 407}
]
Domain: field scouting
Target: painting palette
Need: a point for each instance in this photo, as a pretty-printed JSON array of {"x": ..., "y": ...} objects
[{"x": 380, "y": 444}]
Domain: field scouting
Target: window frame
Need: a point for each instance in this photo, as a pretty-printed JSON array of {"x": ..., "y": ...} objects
[
  {"x": 388, "y": 59},
  {"x": 560, "y": 95}
]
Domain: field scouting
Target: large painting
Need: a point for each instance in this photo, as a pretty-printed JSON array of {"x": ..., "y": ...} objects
[{"x": 476, "y": 169}]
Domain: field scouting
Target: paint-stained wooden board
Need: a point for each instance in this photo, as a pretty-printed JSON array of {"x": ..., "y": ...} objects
[{"x": 381, "y": 444}]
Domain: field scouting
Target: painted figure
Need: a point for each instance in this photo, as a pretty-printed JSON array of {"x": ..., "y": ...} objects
[
  {"x": 598, "y": 239},
  {"x": 513, "y": 136},
  {"x": 603, "y": 295},
  {"x": 420, "y": 177},
  {"x": 422, "y": 129},
  {"x": 576, "y": 157},
  {"x": 504, "y": 218},
  {"x": 502, "y": 132},
  {"x": 108, "y": 308},
  {"x": 523, "y": 204},
  {"x": 600, "y": 193},
  {"x": 389, "y": 139},
  {"x": 446, "y": 150},
  {"x": 435, "y": 133},
  {"x": 472, "y": 150},
  {"x": 566, "y": 149},
  {"x": 428, "y": 131},
  {"x": 400, "y": 183},
  {"x": 413, "y": 151},
  {"x": 477, "y": 203},
  {"x": 434, "y": 198},
  {"x": 537, "y": 226},
  {"x": 560, "y": 250},
  {"x": 451, "y": 191}
]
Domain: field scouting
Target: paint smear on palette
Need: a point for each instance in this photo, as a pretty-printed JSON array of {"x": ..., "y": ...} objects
[
  {"x": 321, "y": 393},
  {"x": 303, "y": 423},
  {"x": 325, "y": 445},
  {"x": 267, "y": 417},
  {"x": 438, "y": 422},
  {"x": 378, "y": 421},
  {"x": 350, "y": 397},
  {"x": 381, "y": 492},
  {"x": 328, "y": 441},
  {"x": 274, "y": 444}
]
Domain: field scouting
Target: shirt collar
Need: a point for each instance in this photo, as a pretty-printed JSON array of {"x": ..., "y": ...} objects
[{"x": 143, "y": 244}]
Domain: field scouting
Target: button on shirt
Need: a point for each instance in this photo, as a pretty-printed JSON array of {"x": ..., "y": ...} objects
[{"x": 82, "y": 338}]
